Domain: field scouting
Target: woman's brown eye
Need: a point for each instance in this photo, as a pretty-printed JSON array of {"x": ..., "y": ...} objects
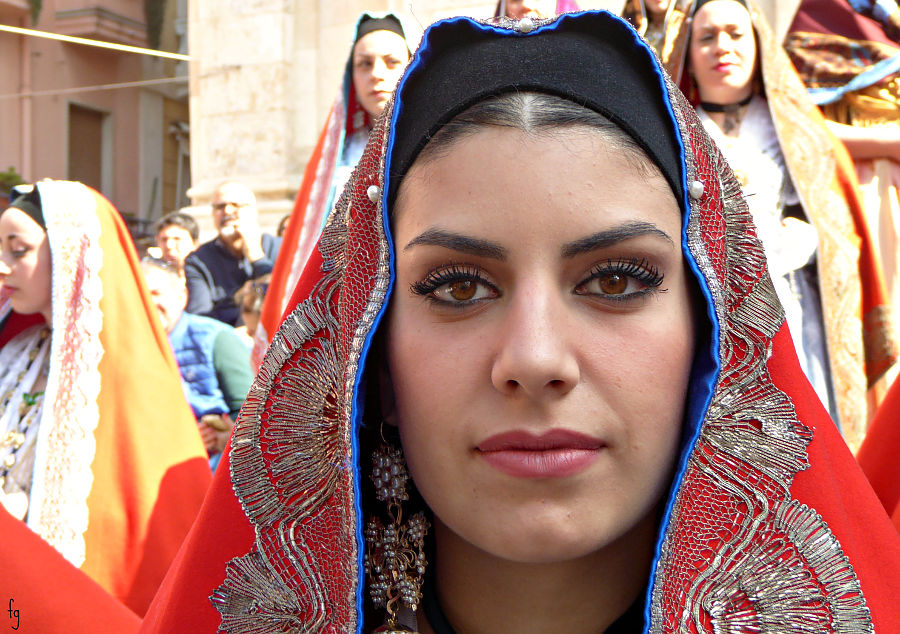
[
  {"x": 613, "y": 284},
  {"x": 462, "y": 290}
]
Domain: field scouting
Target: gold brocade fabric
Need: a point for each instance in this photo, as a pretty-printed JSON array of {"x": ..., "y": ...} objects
[
  {"x": 877, "y": 105},
  {"x": 830, "y": 60},
  {"x": 811, "y": 157}
]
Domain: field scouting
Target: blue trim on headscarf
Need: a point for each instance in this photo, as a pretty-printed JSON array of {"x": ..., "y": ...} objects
[
  {"x": 705, "y": 370},
  {"x": 357, "y": 397},
  {"x": 884, "y": 68}
]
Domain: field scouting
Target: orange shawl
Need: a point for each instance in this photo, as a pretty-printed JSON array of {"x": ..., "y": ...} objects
[{"x": 120, "y": 470}]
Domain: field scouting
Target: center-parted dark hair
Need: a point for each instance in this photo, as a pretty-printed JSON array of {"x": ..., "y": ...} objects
[{"x": 534, "y": 113}]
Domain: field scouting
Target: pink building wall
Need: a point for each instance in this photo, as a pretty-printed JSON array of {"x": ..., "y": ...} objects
[{"x": 34, "y": 132}]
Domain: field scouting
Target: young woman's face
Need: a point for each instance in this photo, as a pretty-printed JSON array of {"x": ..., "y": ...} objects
[
  {"x": 25, "y": 267},
  {"x": 723, "y": 52},
  {"x": 540, "y": 339},
  {"x": 379, "y": 58}
]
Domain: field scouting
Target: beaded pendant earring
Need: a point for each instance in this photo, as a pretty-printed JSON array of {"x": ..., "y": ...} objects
[{"x": 395, "y": 553}]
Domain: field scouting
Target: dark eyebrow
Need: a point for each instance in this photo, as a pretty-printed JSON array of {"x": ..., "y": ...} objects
[
  {"x": 459, "y": 242},
  {"x": 613, "y": 236}
]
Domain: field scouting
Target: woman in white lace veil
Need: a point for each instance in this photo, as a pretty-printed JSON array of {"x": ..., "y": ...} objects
[{"x": 97, "y": 438}]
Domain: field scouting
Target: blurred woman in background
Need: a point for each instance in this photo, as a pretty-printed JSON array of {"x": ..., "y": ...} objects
[
  {"x": 803, "y": 194},
  {"x": 100, "y": 455},
  {"x": 377, "y": 59}
]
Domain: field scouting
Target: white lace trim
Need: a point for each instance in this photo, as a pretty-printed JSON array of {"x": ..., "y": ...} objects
[{"x": 65, "y": 444}]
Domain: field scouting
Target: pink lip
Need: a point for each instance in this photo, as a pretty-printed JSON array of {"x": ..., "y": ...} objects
[
  {"x": 558, "y": 453},
  {"x": 724, "y": 67}
]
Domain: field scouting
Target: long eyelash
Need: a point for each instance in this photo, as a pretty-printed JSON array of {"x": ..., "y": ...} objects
[
  {"x": 638, "y": 268},
  {"x": 444, "y": 274}
]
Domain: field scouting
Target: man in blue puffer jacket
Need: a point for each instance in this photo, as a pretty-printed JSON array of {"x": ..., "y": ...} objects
[{"x": 214, "y": 362}]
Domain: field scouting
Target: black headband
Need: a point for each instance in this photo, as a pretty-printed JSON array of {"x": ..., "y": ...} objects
[
  {"x": 27, "y": 198},
  {"x": 593, "y": 58},
  {"x": 387, "y": 23}
]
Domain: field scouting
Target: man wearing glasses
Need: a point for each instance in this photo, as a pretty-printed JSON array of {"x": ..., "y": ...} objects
[{"x": 240, "y": 252}]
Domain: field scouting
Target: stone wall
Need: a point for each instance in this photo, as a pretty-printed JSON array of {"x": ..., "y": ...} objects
[{"x": 263, "y": 76}]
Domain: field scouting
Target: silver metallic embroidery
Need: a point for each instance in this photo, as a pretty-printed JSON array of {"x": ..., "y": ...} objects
[{"x": 288, "y": 472}]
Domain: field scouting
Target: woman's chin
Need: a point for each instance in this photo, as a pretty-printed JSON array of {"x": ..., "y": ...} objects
[
  {"x": 537, "y": 544},
  {"x": 23, "y": 308},
  {"x": 551, "y": 536}
]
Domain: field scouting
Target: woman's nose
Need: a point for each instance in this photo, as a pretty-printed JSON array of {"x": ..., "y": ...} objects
[
  {"x": 379, "y": 69},
  {"x": 722, "y": 41},
  {"x": 536, "y": 354}
]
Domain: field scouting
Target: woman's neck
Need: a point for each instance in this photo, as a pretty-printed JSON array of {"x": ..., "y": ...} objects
[
  {"x": 481, "y": 593},
  {"x": 728, "y": 123},
  {"x": 728, "y": 116},
  {"x": 656, "y": 20}
]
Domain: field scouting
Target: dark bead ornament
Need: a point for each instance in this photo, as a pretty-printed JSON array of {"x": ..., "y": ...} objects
[{"x": 395, "y": 553}]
